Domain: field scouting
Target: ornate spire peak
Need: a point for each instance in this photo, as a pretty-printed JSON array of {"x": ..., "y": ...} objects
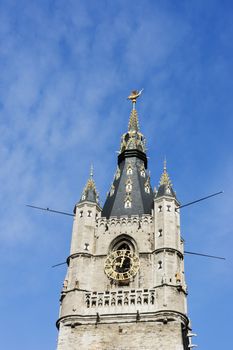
[
  {"x": 133, "y": 121},
  {"x": 91, "y": 171},
  {"x": 133, "y": 142},
  {"x": 165, "y": 164},
  {"x": 90, "y": 192},
  {"x": 165, "y": 185},
  {"x": 165, "y": 180}
]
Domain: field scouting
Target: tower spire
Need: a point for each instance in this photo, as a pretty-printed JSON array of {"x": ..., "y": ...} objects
[
  {"x": 90, "y": 192},
  {"x": 165, "y": 180},
  {"x": 131, "y": 192},
  {"x": 91, "y": 171},
  {"x": 165, "y": 184}
]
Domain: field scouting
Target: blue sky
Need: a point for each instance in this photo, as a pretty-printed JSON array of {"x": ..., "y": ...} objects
[{"x": 66, "y": 70}]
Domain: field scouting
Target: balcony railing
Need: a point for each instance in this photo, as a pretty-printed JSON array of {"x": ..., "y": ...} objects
[{"x": 120, "y": 298}]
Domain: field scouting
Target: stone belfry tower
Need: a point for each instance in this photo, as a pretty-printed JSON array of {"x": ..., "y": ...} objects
[{"x": 125, "y": 284}]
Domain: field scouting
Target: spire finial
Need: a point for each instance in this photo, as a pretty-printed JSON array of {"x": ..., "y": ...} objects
[
  {"x": 134, "y": 95},
  {"x": 133, "y": 120},
  {"x": 91, "y": 171},
  {"x": 165, "y": 164},
  {"x": 133, "y": 139},
  {"x": 165, "y": 180}
]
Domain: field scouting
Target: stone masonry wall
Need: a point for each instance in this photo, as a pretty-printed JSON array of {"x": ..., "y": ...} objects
[{"x": 127, "y": 336}]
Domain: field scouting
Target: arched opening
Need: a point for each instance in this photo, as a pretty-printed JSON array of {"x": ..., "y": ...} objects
[
  {"x": 123, "y": 246},
  {"x": 123, "y": 242},
  {"x": 123, "y": 260}
]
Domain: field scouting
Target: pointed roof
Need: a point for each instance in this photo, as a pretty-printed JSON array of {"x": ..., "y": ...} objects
[
  {"x": 133, "y": 121},
  {"x": 90, "y": 193},
  {"x": 130, "y": 192},
  {"x": 165, "y": 185},
  {"x": 165, "y": 180}
]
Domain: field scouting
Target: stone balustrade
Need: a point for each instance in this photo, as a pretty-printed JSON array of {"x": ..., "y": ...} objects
[
  {"x": 120, "y": 298},
  {"x": 124, "y": 220}
]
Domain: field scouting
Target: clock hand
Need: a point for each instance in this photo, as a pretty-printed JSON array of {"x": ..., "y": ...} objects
[{"x": 123, "y": 259}]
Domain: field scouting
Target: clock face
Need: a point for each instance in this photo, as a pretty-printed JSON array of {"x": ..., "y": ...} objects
[{"x": 121, "y": 265}]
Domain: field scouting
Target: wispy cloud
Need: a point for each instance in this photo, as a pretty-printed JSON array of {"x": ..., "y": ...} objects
[{"x": 66, "y": 70}]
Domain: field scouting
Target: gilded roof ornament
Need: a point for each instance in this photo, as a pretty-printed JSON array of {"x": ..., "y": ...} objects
[
  {"x": 133, "y": 120},
  {"x": 165, "y": 180},
  {"x": 134, "y": 95},
  {"x": 90, "y": 183}
]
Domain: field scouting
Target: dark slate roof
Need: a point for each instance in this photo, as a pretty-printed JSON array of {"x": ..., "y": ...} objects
[
  {"x": 141, "y": 201},
  {"x": 138, "y": 194},
  {"x": 90, "y": 193},
  {"x": 165, "y": 190}
]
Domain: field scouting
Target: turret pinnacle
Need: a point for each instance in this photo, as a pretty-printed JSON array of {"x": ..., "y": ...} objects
[
  {"x": 89, "y": 192},
  {"x": 165, "y": 180},
  {"x": 165, "y": 185}
]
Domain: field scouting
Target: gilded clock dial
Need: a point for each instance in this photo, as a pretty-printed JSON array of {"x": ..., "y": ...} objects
[{"x": 121, "y": 265}]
